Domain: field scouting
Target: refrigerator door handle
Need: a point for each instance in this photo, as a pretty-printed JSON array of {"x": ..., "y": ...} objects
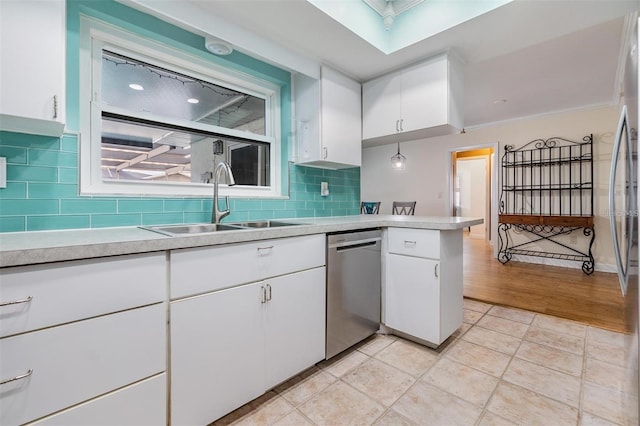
[{"x": 622, "y": 268}]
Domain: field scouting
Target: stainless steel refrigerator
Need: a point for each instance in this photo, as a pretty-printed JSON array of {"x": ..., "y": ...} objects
[{"x": 623, "y": 214}]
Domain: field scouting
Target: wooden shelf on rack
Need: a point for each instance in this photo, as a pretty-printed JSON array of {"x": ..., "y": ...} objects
[{"x": 524, "y": 219}]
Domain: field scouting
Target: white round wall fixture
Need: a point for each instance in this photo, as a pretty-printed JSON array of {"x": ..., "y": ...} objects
[{"x": 217, "y": 46}]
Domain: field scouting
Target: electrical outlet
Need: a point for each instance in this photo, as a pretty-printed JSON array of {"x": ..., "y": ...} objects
[{"x": 3, "y": 172}]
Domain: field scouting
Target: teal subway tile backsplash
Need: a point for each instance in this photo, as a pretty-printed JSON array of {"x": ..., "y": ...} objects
[
  {"x": 28, "y": 173},
  {"x": 51, "y": 190},
  {"x": 15, "y": 207},
  {"x": 12, "y": 223},
  {"x": 14, "y": 155},
  {"x": 68, "y": 175},
  {"x": 41, "y": 157},
  {"x": 183, "y": 205},
  {"x": 15, "y": 190},
  {"x": 39, "y": 197},
  {"x": 88, "y": 205},
  {"x": 69, "y": 144},
  {"x": 46, "y": 223},
  {"x": 140, "y": 206},
  {"x": 111, "y": 220}
]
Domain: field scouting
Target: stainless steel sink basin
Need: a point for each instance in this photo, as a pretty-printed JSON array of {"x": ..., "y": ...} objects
[
  {"x": 208, "y": 228},
  {"x": 198, "y": 228},
  {"x": 264, "y": 224}
]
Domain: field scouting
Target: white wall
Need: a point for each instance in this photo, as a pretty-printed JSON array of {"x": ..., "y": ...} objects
[
  {"x": 426, "y": 177},
  {"x": 472, "y": 173}
]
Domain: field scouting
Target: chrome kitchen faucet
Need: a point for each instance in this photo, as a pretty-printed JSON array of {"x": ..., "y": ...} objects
[{"x": 217, "y": 214}]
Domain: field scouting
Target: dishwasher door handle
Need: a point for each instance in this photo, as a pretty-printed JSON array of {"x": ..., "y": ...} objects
[{"x": 355, "y": 244}]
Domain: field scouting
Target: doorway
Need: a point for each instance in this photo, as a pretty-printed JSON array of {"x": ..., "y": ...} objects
[{"x": 472, "y": 188}]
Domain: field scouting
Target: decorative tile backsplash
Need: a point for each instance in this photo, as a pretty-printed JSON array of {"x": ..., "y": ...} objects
[{"x": 42, "y": 193}]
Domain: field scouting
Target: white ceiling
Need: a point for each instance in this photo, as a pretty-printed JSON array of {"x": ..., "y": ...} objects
[{"x": 539, "y": 55}]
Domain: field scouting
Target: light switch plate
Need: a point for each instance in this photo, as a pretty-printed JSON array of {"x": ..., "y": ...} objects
[{"x": 3, "y": 172}]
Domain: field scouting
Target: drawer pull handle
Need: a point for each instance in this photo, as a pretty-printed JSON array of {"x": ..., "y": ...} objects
[
  {"x": 435, "y": 270},
  {"x": 13, "y": 379},
  {"x": 268, "y": 291},
  {"x": 264, "y": 250},
  {"x": 409, "y": 243},
  {"x": 16, "y": 302},
  {"x": 263, "y": 295}
]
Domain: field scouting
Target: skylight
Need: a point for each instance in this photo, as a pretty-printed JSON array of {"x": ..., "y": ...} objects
[{"x": 391, "y": 25}]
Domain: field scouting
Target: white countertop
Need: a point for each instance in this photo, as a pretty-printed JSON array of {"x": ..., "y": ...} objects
[{"x": 25, "y": 248}]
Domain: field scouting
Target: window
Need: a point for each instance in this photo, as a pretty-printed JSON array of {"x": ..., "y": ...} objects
[{"x": 159, "y": 119}]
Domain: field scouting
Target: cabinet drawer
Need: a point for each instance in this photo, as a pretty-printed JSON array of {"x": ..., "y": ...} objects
[
  {"x": 195, "y": 271},
  {"x": 143, "y": 403},
  {"x": 75, "y": 362},
  {"x": 71, "y": 291},
  {"x": 414, "y": 242}
]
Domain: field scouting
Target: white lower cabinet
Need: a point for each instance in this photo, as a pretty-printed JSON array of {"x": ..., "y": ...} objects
[
  {"x": 294, "y": 319},
  {"x": 140, "y": 404},
  {"x": 229, "y": 347},
  {"x": 73, "y": 363},
  {"x": 79, "y": 339},
  {"x": 217, "y": 352},
  {"x": 232, "y": 344},
  {"x": 423, "y": 283}
]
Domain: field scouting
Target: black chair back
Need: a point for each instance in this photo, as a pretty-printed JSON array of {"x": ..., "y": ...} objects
[{"x": 404, "y": 207}]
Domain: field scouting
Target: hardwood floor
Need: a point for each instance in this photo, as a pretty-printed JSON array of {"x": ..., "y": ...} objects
[{"x": 563, "y": 292}]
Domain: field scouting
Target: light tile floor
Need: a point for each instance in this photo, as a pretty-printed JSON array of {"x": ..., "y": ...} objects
[{"x": 502, "y": 367}]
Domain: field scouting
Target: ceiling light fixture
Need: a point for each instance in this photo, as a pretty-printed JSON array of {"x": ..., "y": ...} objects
[
  {"x": 135, "y": 86},
  {"x": 217, "y": 46},
  {"x": 193, "y": 100},
  {"x": 398, "y": 160},
  {"x": 389, "y": 15}
]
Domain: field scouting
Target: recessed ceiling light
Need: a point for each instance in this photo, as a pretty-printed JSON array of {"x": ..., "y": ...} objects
[
  {"x": 193, "y": 100},
  {"x": 136, "y": 86}
]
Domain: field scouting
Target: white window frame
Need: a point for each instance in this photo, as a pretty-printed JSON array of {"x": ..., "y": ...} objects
[{"x": 94, "y": 37}]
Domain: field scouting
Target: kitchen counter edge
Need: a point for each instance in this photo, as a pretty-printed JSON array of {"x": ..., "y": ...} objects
[{"x": 29, "y": 248}]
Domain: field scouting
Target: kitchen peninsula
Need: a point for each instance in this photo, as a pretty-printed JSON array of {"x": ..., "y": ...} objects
[{"x": 245, "y": 308}]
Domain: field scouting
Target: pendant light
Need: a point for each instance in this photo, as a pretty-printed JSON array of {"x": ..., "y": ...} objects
[{"x": 398, "y": 160}]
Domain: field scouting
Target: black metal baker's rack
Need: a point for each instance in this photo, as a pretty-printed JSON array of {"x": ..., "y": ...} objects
[{"x": 547, "y": 192}]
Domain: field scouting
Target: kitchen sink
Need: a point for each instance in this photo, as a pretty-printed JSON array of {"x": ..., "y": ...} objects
[
  {"x": 264, "y": 224},
  {"x": 208, "y": 228},
  {"x": 198, "y": 228}
]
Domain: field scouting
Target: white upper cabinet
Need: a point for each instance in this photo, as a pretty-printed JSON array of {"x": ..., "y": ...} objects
[
  {"x": 328, "y": 120},
  {"x": 32, "y": 70},
  {"x": 424, "y": 100}
]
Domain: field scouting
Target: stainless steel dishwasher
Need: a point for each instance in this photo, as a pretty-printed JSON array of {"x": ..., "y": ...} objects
[{"x": 353, "y": 288}]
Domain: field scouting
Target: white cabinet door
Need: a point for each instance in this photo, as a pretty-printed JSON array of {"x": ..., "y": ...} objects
[
  {"x": 328, "y": 120},
  {"x": 32, "y": 70},
  {"x": 424, "y": 96},
  {"x": 140, "y": 404},
  {"x": 412, "y": 296},
  {"x": 294, "y": 324},
  {"x": 217, "y": 354},
  {"x": 381, "y": 106},
  {"x": 341, "y": 119}
]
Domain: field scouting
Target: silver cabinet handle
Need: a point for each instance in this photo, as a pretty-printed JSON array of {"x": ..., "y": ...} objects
[
  {"x": 263, "y": 295},
  {"x": 55, "y": 106},
  {"x": 435, "y": 270},
  {"x": 268, "y": 292},
  {"x": 13, "y": 379},
  {"x": 264, "y": 250},
  {"x": 409, "y": 243},
  {"x": 325, "y": 152},
  {"x": 16, "y": 302},
  {"x": 401, "y": 126},
  {"x": 397, "y": 125}
]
